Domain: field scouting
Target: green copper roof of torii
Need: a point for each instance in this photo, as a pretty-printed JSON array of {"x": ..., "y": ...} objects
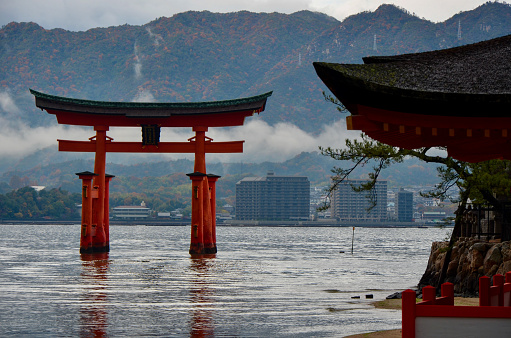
[{"x": 152, "y": 105}]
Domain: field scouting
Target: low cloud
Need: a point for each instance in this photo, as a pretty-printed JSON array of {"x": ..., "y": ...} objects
[
  {"x": 7, "y": 104},
  {"x": 17, "y": 139},
  {"x": 156, "y": 37},
  {"x": 263, "y": 142},
  {"x": 144, "y": 96},
  {"x": 137, "y": 66}
]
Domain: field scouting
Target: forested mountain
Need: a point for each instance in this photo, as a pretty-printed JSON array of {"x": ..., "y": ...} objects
[
  {"x": 197, "y": 56},
  {"x": 202, "y": 56}
]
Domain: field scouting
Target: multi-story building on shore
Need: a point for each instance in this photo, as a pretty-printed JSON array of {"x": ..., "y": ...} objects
[
  {"x": 273, "y": 198},
  {"x": 352, "y": 206},
  {"x": 404, "y": 206},
  {"x": 132, "y": 212}
]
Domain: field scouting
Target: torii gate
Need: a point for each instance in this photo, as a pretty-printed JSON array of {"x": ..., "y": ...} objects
[{"x": 151, "y": 117}]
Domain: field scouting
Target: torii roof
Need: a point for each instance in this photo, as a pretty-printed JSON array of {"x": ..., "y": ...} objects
[
  {"x": 459, "y": 98},
  {"x": 169, "y": 114}
]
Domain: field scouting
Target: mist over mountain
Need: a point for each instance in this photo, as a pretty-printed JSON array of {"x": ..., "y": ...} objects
[{"x": 203, "y": 56}]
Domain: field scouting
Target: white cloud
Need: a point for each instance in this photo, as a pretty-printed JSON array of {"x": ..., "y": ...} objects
[
  {"x": 433, "y": 10},
  {"x": 156, "y": 37},
  {"x": 137, "y": 66},
  {"x": 20, "y": 140},
  {"x": 7, "y": 104},
  {"x": 280, "y": 142},
  {"x": 144, "y": 96},
  {"x": 262, "y": 141}
]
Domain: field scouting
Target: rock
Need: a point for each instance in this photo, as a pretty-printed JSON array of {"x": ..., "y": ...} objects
[
  {"x": 395, "y": 295},
  {"x": 476, "y": 259},
  {"x": 452, "y": 268},
  {"x": 481, "y": 247},
  {"x": 504, "y": 267},
  {"x": 493, "y": 257},
  {"x": 505, "y": 249},
  {"x": 470, "y": 260},
  {"x": 492, "y": 271}
]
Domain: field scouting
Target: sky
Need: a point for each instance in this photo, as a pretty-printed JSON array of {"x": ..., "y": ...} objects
[
  {"x": 79, "y": 15},
  {"x": 262, "y": 141}
]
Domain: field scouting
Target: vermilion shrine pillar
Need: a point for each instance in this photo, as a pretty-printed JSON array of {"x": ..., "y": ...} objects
[
  {"x": 87, "y": 197},
  {"x": 212, "y": 188},
  {"x": 94, "y": 235},
  {"x": 197, "y": 229},
  {"x": 108, "y": 179},
  {"x": 99, "y": 169}
]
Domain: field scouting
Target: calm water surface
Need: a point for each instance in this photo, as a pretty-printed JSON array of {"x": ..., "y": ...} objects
[{"x": 264, "y": 282}]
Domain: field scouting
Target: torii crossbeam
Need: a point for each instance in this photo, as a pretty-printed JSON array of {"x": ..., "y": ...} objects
[{"x": 151, "y": 117}]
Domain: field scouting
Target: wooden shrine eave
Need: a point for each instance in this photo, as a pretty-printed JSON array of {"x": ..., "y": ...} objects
[
  {"x": 458, "y": 99},
  {"x": 473, "y": 127},
  {"x": 471, "y": 139},
  {"x": 130, "y": 114}
]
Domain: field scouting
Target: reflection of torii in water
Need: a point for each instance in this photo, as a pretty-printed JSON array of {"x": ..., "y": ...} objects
[{"x": 151, "y": 117}]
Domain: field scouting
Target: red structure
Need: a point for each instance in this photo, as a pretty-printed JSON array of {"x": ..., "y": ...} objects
[
  {"x": 438, "y": 317},
  {"x": 456, "y": 98},
  {"x": 151, "y": 117}
]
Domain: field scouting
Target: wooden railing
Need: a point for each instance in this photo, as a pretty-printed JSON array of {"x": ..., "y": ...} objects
[{"x": 438, "y": 317}]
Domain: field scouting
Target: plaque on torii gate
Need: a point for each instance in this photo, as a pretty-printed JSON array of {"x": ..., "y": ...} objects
[{"x": 151, "y": 117}]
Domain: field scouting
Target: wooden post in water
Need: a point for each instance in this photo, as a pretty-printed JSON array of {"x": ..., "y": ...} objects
[{"x": 352, "y": 239}]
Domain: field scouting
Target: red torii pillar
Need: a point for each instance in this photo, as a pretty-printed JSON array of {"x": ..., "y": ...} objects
[{"x": 94, "y": 236}]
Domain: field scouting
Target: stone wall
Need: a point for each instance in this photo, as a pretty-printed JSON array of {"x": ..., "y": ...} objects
[{"x": 470, "y": 259}]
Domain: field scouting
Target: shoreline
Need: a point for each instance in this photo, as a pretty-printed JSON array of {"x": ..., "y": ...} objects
[{"x": 169, "y": 223}]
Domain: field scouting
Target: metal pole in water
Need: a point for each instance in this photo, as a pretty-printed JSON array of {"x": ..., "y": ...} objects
[{"x": 352, "y": 239}]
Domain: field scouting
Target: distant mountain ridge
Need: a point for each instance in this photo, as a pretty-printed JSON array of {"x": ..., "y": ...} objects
[{"x": 202, "y": 56}]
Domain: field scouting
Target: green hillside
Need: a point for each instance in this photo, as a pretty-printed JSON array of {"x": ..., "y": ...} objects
[{"x": 196, "y": 56}]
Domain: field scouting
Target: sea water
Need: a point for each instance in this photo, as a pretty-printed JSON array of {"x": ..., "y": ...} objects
[{"x": 263, "y": 282}]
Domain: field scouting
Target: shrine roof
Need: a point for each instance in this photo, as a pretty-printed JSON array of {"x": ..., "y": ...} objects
[
  {"x": 457, "y": 98},
  {"x": 464, "y": 80},
  {"x": 152, "y": 105},
  {"x": 179, "y": 114}
]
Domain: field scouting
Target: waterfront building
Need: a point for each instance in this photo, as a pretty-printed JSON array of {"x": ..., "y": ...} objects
[
  {"x": 273, "y": 198},
  {"x": 404, "y": 206},
  {"x": 133, "y": 212},
  {"x": 349, "y": 205},
  {"x": 434, "y": 216}
]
